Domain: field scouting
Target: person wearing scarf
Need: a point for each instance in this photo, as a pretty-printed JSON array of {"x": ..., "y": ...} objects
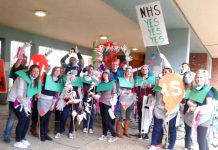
[{"x": 25, "y": 86}]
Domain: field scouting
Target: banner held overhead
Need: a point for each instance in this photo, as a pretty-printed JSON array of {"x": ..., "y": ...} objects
[{"x": 152, "y": 24}]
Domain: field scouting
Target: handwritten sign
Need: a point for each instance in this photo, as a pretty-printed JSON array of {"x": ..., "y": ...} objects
[
  {"x": 152, "y": 24},
  {"x": 3, "y": 86}
]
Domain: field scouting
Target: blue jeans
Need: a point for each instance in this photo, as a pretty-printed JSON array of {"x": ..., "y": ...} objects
[
  {"x": 158, "y": 126},
  {"x": 107, "y": 122},
  {"x": 63, "y": 119},
  {"x": 9, "y": 124},
  {"x": 188, "y": 140}
]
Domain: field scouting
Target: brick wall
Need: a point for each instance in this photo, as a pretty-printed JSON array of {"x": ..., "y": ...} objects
[
  {"x": 198, "y": 61},
  {"x": 214, "y": 76}
]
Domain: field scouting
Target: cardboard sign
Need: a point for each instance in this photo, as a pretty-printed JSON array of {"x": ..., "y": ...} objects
[
  {"x": 152, "y": 24},
  {"x": 42, "y": 62},
  {"x": 105, "y": 86},
  {"x": 3, "y": 86},
  {"x": 172, "y": 90}
]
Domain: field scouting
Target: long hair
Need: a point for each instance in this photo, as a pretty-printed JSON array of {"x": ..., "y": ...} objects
[
  {"x": 53, "y": 70},
  {"x": 186, "y": 85},
  {"x": 102, "y": 79},
  {"x": 36, "y": 81},
  {"x": 131, "y": 74}
]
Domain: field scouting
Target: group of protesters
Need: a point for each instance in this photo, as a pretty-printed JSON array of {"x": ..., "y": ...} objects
[{"x": 76, "y": 91}]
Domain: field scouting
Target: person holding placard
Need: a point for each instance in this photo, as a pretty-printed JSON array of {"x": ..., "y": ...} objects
[
  {"x": 160, "y": 118},
  {"x": 25, "y": 86},
  {"x": 107, "y": 95},
  {"x": 144, "y": 83},
  {"x": 201, "y": 104},
  {"x": 46, "y": 102},
  {"x": 127, "y": 100}
]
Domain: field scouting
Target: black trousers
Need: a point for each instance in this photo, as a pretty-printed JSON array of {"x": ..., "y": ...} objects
[
  {"x": 35, "y": 115},
  {"x": 23, "y": 122},
  {"x": 107, "y": 122},
  {"x": 44, "y": 123}
]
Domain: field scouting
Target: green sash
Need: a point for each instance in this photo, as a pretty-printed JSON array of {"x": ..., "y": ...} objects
[
  {"x": 31, "y": 91},
  {"x": 53, "y": 86},
  {"x": 187, "y": 93},
  {"x": 76, "y": 82},
  {"x": 88, "y": 81},
  {"x": 199, "y": 96},
  {"x": 157, "y": 88},
  {"x": 149, "y": 80},
  {"x": 105, "y": 86},
  {"x": 125, "y": 84}
]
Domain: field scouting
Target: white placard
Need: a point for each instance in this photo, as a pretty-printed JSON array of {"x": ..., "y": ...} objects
[{"x": 152, "y": 24}]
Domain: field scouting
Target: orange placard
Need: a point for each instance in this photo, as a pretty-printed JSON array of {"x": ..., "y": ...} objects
[
  {"x": 172, "y": 90},
  {"x": 3, "y": 86},
  {"x": 42, "y": 62}
]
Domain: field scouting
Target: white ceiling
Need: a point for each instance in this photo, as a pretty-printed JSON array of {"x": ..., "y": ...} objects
[
  {"x": 82, "y": 21},
  {"x": 203, "y": 18}
]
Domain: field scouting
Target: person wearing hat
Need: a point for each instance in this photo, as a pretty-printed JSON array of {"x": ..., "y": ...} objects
[{"x": 73, "y": 62}]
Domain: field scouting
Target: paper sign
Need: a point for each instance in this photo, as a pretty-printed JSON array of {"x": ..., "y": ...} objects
[
  {"x": 152, "y": 24},
  {"x": 3, "y": 86},
  {"x": 172, "y": 90}
]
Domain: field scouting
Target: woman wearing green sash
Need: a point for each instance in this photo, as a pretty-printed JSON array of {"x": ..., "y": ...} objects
[
  {"x": 188, "y": 80},
  {"x": 127, "y": 100},
  {"x": 201, "y": 104},
  {"x": 46, "y": 102},
  {"x": 19, "y": 97},
  {"x": 107, "y": 95}
]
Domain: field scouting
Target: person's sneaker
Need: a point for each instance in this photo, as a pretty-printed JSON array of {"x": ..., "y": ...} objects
[
  {"x": 25, "y": 142},
  {"x": 20, "y": 145},
  {"x": 102, "y": 137},
  {"x": 159, "y": 146},
  {"x": 7, "y": 140},
  {"x": 112, "y": 139},
  {"x": 48, "y": 138},
  {"x": 152, "y": 147},
  {"x": 85, "y": 130},
  {"x": 70, "y": 135},
  {"x": 58, "y": 135},
  {"x": 146, "y": 137},
  {"x": 90, "y": 131},
  {"x": 139, "y": 136},
  {"x": 42, "y": 138}
]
